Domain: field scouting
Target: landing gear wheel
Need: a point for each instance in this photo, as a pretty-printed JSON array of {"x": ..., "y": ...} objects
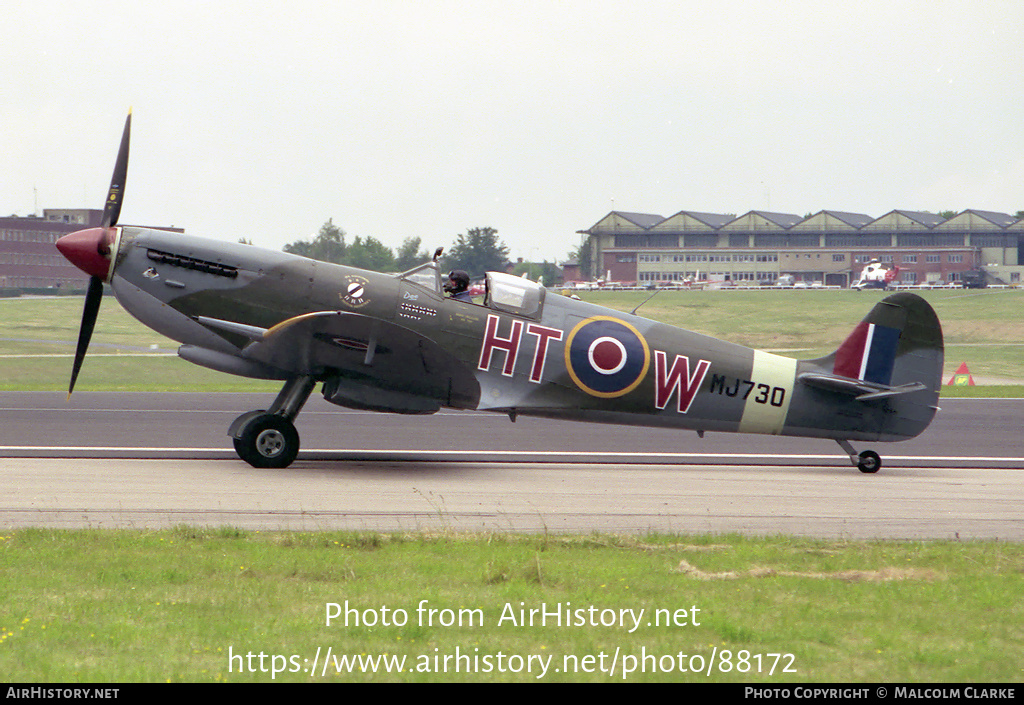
[
  {"x": 869, "y": 461},
  {"x": 267, "y": 441}
]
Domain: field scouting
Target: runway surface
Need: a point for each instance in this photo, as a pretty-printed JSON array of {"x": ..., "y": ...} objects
[{"x": 154, "y": 460}]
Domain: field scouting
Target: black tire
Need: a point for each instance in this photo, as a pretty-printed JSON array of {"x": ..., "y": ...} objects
[
  {"x": 869, "y": 462},
  {"x": 268, "y": 441}
]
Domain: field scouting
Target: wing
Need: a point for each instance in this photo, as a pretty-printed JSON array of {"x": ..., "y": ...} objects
[{"x": 365, "y": 362}]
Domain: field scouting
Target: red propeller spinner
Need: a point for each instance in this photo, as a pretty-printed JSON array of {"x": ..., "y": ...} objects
[{"x": 89, "y": 250}]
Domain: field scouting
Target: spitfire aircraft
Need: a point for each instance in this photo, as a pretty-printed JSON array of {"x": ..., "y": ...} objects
[{"x": 396, "y": 343}]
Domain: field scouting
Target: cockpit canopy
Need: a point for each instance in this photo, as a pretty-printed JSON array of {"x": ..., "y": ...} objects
[
  {"x": 426, "y": 275},
  {"x": 516, "y": 295},
  {"x": 504, "y": 292}
]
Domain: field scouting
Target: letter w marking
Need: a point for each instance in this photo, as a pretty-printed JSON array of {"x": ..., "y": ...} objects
[{"x": 668, "y": 382}]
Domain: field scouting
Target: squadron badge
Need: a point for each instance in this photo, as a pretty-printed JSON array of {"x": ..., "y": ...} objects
[{"x": 355, "y": 294}]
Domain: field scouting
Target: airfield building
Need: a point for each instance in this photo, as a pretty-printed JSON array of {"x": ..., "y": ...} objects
[{"x": 828, "y": 247}]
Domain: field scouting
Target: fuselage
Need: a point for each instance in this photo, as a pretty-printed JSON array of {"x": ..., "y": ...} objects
[{"x": 521, "y": 350}]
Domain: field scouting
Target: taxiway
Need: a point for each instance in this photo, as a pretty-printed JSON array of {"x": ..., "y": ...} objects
[{"x": 139, "y": 460}]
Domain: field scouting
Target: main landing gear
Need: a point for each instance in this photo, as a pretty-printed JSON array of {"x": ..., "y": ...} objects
[
  {"x": 868, "y": 460},
  {"x": 267, "y": 438}
]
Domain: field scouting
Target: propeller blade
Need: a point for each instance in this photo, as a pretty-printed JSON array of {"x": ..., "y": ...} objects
[
  {"x": 112, "y": 209},
  {"x": 92, "y": 306}
]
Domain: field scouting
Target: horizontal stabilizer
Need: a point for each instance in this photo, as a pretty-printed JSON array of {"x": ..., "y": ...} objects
[{"x": 862, "y": 389}]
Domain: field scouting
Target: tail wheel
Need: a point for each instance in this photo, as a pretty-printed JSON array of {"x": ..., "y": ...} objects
[
  {"x": 868, "y": 461},
  {"x": 268, "y": 441}
]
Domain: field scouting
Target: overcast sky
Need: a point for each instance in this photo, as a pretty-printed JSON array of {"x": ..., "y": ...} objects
[{"x": 399, "y": 118}]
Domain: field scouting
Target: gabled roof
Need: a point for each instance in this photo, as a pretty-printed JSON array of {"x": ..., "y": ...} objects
[
  {"x": 984, "y": 220},
  {"x": 643, "y": 220},
  {"x": 855, "y": 220},
  {"x": 782, "y": 220},
  {"x": 928, "y": 220},
  {"x": 899, "y": 219},
  {"x": 906, "y": 220},
  {"x": 712, "y": 220},
  {"x": 833, "y": 220},
  {"x": 1001, "y": 219}
]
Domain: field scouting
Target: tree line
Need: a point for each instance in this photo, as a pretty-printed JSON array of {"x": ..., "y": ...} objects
[{"x": 478, "y": 250}]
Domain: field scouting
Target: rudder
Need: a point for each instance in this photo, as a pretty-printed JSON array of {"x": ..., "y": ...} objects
[{"x": 894, "y": 358}]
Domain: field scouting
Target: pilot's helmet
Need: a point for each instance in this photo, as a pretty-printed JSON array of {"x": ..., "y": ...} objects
[{"x": 458, "y": 281}]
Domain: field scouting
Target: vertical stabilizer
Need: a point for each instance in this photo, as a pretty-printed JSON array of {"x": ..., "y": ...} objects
[
  {"x": 898, "y": 342},
  {"x": 889, "y": 369}
]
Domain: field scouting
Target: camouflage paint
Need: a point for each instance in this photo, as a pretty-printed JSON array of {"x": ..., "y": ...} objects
[{"x": 360, "y": 331}]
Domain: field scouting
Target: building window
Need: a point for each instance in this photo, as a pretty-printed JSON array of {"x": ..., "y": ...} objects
[
  {"x": 956, "y": 259},
  {"x": 981, "y": 240},
  {"x": 838, "y": 258},
  {"x": 933, "y": 259},
  {"x": 909, "y": 259},
  {"x": 646, "y": 241}
]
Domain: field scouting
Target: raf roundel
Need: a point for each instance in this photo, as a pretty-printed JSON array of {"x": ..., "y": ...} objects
[{"x": 606, "y": 357}]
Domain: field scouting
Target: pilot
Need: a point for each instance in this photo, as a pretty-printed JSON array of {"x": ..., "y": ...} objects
[{"x": 457, "y": 285}]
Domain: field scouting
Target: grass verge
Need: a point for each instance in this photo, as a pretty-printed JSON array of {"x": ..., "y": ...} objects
[{"x": 190, "y": 604}]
